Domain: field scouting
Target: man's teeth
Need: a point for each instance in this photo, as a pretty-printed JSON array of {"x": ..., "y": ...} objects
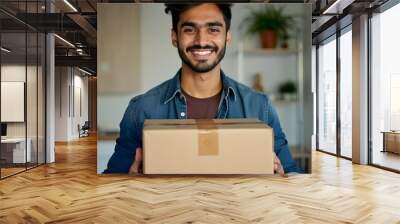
[{"x": 202, "y": 52}]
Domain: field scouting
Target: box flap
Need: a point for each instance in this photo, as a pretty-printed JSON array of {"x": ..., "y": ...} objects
[{"x": 203, "y": 123}]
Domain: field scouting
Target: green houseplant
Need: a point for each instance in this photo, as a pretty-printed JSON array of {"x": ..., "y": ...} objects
[
  {"x": 284, "y": 35},
  {"x": 288, "y": 90},
  {"x": 269, "y": 22}
]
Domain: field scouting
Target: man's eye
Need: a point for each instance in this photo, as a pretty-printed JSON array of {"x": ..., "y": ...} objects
[
  {"x": 214, "y": 30},
  {"x": 188, "y": 30}
]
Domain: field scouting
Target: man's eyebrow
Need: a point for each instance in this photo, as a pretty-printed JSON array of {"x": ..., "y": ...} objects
[
  {"x": 215, "y": 24},
  {"x": 188, "y": 24},
  {"x": 207, "y": 24}
]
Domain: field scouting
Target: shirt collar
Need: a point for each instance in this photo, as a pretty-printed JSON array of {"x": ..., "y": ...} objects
[{"x": 175, "y": 87}]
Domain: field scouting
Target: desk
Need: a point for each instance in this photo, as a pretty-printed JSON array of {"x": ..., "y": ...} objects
[
  {"x": 391, "y": 141},
  {"x": 13, "y": 150}
]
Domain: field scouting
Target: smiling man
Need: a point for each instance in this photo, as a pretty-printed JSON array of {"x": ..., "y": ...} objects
[{"x": 199, "y": 90}]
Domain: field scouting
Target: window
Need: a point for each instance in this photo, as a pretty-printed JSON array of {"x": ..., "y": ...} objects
[
  {"x": 334, "y": 106},
  {"x": 346, "y": 93},
  {"x": 385, "y": 88},
  {"x": 327, "y": 96},
  {"x": 394, "y": 102}
]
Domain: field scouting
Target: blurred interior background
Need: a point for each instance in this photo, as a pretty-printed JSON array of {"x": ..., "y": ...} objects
[{"x": 137, "y": 55}]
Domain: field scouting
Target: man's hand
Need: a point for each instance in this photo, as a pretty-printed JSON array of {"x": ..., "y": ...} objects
[
  {"x": 137, "y": 162},
  {"x": 278, "y": 166}
]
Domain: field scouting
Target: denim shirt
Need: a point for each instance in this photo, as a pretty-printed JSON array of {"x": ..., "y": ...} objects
[{"x": 166, "y": 101}]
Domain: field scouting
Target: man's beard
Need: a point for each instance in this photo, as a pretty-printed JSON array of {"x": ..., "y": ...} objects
[{"x": 202, "y": 67}]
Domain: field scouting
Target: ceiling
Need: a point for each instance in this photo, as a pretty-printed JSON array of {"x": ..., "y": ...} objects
[{"x": 76, "y": 22}]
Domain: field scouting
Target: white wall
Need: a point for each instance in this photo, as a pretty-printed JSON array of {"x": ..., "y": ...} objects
[
  {"x": 79, "y": 117},
  {"x": 118, "y": 26},
  {"x": 12, "y": 73},
  {"x": 119, "y": 78},
  {"x": 68, "y": 81},
  {"x": 61, "y": 103},
  {"x": 159, "y": 59}
]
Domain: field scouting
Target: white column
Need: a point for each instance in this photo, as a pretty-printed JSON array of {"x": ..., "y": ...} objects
[
  {"x": 50, "y": 92},
  {"x": 50, "y": 100},
  {"x": 360, "y": 90}
]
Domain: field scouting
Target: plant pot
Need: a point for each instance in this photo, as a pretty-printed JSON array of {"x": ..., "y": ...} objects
[
  {"x": 289, "y": 96},
  {"x": 285, "y": 45},
  {"x": 269, "y": 39}
]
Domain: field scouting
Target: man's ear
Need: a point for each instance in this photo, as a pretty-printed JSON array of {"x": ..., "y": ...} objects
[
  {"x": 228, "y": 38},
  {"x": 174, "y": 38}
]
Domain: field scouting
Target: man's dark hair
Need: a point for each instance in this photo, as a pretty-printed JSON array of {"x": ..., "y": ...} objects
[{"x": 177, "y": 9}]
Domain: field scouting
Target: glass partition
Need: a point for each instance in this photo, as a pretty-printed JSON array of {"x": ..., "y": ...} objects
[
  {"x": 327, "y": 96},
  {"x": 13, "y": 105},
  {"x": 22, "y": 88}
]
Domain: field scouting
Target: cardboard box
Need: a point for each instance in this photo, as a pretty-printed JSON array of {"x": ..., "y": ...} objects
[{"x": 214, "y": 146}]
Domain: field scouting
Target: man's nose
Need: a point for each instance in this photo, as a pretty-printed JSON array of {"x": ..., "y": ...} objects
[{"x": 201, "y": 37}]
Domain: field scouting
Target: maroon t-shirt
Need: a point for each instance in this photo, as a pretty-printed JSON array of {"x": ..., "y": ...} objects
[{"x": 202, "y": 108}]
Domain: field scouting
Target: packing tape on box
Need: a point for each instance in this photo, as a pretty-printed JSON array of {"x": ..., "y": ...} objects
[{"x": 208, "y": 140}]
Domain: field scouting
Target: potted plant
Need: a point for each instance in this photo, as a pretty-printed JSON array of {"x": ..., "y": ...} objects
[
  {"x": 268, "y": 22},
  {"x": 284, "y": 36},
  {"x": 288, "y": 90}
]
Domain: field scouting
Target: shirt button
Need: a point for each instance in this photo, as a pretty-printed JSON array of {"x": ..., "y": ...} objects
[{"x": 182, "y": 114}]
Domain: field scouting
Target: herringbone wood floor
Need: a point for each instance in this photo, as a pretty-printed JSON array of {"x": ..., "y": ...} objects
[{"x": 70, "y": 191}]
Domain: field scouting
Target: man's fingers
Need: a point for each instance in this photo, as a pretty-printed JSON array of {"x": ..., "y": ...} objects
[
  {"x": 134, "y": 169},
  {"x": 278, "y": 166},
  {"x": 281, "y": 171},
  {"x": 138, "y": 155}
]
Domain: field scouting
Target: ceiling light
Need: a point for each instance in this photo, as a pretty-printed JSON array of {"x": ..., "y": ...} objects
[
  {"x": 70, "y": 5},
  {"x": 5, "y": 50},
  {"x": 338, "y": 6},
  {"x": 65, "y": 41},
  {"x": 84, "y": 71},
  {"x": 328, "y": 10}
]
